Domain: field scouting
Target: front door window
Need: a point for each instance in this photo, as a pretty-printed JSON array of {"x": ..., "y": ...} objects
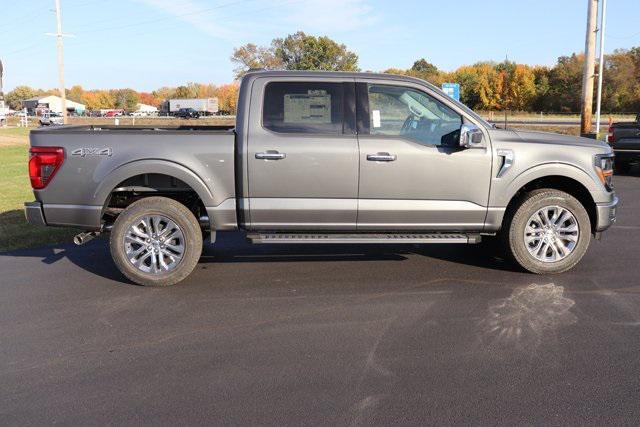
[{"x": 412, "y": 114}]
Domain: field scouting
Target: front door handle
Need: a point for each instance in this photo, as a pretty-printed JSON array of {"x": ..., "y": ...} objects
[
  {"x": 271, "y": 155},
  {"x": 381, "y": 157}
]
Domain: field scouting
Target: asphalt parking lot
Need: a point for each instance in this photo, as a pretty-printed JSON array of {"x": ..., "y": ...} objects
[{"x": 345, "y": 335}]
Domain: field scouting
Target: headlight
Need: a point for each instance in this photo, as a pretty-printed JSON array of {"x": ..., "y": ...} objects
[{"x": 604, "y": 168}]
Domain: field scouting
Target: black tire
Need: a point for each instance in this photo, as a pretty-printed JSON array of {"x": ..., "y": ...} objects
[
  {"x": 172, "y": 210},
  {"x": 513, "y": 235},
  {"x": 622, "y": 167}
]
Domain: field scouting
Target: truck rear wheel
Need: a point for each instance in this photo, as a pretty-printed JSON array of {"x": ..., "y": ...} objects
[
  {"x": 549, "y": 232},
  {"x": 156, "y": 241}
]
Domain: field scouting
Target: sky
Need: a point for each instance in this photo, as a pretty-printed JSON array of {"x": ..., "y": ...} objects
[{"x": 147, "y": 44}]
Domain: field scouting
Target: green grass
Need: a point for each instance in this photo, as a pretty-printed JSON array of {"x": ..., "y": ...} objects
[
  {"x": 15, "y": 189},
  {"x": 20, "y": 132}
]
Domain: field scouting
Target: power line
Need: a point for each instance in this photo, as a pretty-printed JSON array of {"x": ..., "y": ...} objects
[
  {"x": 9, "y": 24},
  {"x": 153, "y": 21}
]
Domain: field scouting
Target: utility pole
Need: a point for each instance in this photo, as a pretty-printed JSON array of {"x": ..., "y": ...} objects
[
  {"x": 589, "y": 65},
  {"x": 1, "y": 90},
  {"x": 59, "y": 36},
  {"x": 603, "y": 17}
]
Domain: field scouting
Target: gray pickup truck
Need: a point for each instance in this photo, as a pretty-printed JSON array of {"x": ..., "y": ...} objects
[
  {"x": 624, "y": 138},
  {"x": 324, "y": 157}
]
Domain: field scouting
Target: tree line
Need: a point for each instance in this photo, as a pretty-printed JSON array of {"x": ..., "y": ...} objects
[
  {"x": 488, "y": 86},
  {"x": 128, "y": 99},
  {"x": 485, "y": 86}
]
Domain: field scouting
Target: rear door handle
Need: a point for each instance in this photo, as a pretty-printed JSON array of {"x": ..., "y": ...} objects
[
  {"x": 271, "y": 155},
  {"x": 381, "y": 157}
]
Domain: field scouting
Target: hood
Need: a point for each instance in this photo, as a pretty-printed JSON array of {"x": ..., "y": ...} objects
[{"x": 558, "y": 139}]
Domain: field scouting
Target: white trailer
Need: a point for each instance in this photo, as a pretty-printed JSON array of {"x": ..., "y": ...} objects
[{"x": 203, "y": 105}]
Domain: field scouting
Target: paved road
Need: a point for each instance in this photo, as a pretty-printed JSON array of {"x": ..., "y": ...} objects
[{"x": 325, "y": 335}]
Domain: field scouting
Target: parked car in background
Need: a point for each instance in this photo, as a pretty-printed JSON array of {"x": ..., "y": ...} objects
[
  {"x": 624, "y": 138},
  {"x": 324, "y": 158},
  {"x": 51, "y": 118},
  {"x": 187, "y": 113},
  {"x": 114, "y": 113}
]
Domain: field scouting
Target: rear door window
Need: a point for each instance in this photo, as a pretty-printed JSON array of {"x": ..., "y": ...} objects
[{"x": 304, "y": 107}]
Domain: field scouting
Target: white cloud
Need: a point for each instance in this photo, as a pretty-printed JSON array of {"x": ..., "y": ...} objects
[
  {"x": 231, "y": 21},
  {"x": 200, "y": 16},
  {"x": 331, "y": 16}
]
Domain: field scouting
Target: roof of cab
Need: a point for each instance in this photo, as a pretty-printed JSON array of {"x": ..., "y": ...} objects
[{"x": 343, "y": 74}]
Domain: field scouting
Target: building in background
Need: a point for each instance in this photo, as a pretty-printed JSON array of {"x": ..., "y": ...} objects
[
  {"x": 206, "y": 106},
  {"x": 39, "y": 104},
  {"x": 147, "y": 109}
]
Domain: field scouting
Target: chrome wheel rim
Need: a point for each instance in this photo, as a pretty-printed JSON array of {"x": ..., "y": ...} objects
[
  {"x": 551, "y": 234},
  {"x": 154, "y": 244}
]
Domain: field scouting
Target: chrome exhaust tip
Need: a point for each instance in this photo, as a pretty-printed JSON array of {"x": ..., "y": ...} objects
[{"x": 82, "y": 238}]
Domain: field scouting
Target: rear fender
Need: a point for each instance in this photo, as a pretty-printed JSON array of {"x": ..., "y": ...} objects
[{"x": 129, "y": 170}]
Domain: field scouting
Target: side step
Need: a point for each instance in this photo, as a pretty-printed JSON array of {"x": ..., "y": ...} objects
[{"x": 359, "y": 238}]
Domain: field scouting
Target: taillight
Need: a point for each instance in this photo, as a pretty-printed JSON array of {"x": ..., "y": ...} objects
[
  {"x": 44, "y": 162},
  {"x": 610, "y": 135}
]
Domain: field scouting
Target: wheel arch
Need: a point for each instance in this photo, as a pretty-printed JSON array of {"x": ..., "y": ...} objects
[
  {"x": 564, "y": 183},
  {"x": 161, "y": 167}
]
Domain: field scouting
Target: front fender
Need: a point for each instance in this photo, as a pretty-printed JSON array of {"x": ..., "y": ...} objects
[{"x": 502, "y": 192}]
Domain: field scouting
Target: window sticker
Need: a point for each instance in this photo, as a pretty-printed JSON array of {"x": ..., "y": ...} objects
[
  {"x": 376, "y": 118},
  {"x": 312, "y": 107}
]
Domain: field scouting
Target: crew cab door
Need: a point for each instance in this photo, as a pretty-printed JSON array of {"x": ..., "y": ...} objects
[
  {"x": 302, "y": 154},
  {"x": 413, "y": 174}
]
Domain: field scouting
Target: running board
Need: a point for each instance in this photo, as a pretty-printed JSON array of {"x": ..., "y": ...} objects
[{"x": 358, "y": 238}]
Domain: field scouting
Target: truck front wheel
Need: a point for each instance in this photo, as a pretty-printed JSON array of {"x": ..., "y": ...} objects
[
  {"x": 549, "y": 232},
  {"x": 156, "y": 241}
]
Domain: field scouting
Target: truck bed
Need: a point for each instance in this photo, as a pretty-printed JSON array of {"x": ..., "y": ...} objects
[
  {"x": 134, "y": 129},
  {"x": 626, "y": 136},
  {"x": 98, "y": 159}
]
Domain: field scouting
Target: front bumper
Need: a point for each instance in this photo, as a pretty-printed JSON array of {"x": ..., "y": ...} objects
[
  {"x": 606, "y": 214},
  {"x": 33, "y": 213}
]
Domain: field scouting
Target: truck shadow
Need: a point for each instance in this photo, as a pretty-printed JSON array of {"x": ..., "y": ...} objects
[{"x": 231, "y": 247}]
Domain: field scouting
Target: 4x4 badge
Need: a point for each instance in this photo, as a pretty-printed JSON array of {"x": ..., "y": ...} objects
[{"x": 82, "y": 152}]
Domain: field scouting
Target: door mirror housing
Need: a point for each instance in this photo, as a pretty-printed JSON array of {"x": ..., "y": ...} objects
[{"x": 471, "y": 136}]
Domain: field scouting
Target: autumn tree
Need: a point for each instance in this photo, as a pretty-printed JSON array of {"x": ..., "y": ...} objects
[
  {"x": 621, "y": 86},
  {"x": 252, "y": 56},
  {"x": 565, "y": 81},
  {"x": 227, "y": 98},
  {"x": 297, "y": 51},
  {"x": 300, "y": 51},
  {"x": 425, "y": 70},
  {"x": 126, "y": 99},
  {"x": 164, "y": 93},
  {"x": 75, "y": 93},
  {"x": 98, "y": 100},
  {"x": 522, "y": 88},
  {"x": 182, "y": 92},
  {"x": 149, "y": 99},
  {"x": 15, "y": 97}
]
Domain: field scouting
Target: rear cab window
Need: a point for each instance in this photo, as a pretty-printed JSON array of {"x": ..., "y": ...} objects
[{"x": 305, "y": 107}]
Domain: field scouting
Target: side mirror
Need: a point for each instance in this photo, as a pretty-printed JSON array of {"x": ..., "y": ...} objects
[{"x": 470, "y": 136}]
